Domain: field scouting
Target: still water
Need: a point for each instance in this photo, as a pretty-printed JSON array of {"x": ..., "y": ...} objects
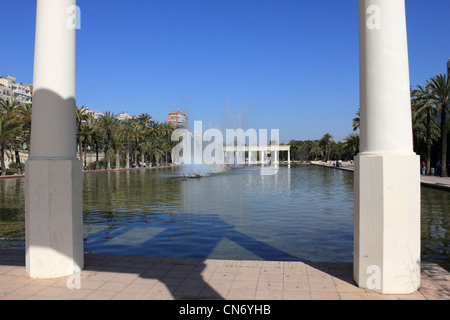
[{"x": 301, "y": 213}]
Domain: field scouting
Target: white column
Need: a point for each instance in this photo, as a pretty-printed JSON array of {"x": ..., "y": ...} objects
[
  {"x": 54, "y": 225},
  {"x": 289, "y": 156},
  {"x": 387, "y": 179}
]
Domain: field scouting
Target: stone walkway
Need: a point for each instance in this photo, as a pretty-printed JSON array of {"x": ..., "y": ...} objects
[
  {"x": 427, "y": 181},
  {"x": 143, "y": 278}
]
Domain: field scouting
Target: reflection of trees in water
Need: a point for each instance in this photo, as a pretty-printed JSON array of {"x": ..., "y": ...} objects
[
  {"x": 436, "y": 227},
  {"x": 12, "y": 200},
  {"x": 135, "y": 192},
  {"x": 12, "y": 213}
]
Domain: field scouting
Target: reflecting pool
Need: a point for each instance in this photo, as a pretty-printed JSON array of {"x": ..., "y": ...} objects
[{"x": 301, "y": 213}]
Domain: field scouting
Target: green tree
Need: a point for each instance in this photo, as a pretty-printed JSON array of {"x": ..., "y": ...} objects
[
  {"x": 351, "y": 145},
  {"x": 107, "y": 125},
  {"x": 82, "y": 115},
  {"x": 118, "y": 142},
  {"x": 440, "y": 89},
  {"x": 8, "y": 134},
  {"x": 423, "y": 114},
  {"x": 356, "y": 120},
  {"x": 87, "y": 132},
  {"x": 325, "y": 143},
  {"x": 10, "y": 110}
]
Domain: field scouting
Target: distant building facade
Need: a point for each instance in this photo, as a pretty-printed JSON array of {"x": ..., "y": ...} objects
[
  {"x": 178, "y": 119},
  {"x": 11, "y": 90}
]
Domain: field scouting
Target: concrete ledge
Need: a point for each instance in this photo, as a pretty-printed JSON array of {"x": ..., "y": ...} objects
[{"x": 426, "y": 181}]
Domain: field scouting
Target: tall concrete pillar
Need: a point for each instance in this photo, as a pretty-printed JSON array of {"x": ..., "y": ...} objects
[
  {"x": 54, "y": 224},
  {"x": 387, "y": 178}
]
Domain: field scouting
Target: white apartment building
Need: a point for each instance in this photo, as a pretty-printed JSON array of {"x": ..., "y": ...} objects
[{"x": 10, "y": 89}]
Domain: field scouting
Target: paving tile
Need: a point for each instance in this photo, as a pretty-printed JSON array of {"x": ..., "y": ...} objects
[
  {"x": 51, "y": 292},
  {"x": 296, "y": 286},
  {"x": 270, "y": 285},
  {"x": 125, "y": 277},
  {"x": 274, "y": 277},
  {"x": 158, "y": 292},
  {"x": 76, "y": 294},
  {"x": 297, "y": 295},
  {"x": 353, "y": 296},
  {"x": 187, "y": 292},
  {"x": 100, "y": 295},
  {"x": 268, "y": 294},
  {"x": 322, "y": 287},
  {"x": 28, "y": 290},
  {"x": 325, "y": 296},
  {"x": 127, "y": 296},
  {"x": 241, "y": 294},
  {"x": 122, "y": 277},
  {"x": 113, "y": 286}
]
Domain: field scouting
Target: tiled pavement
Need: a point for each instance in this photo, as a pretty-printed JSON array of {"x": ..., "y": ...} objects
[{"x": 137, "y": 278}]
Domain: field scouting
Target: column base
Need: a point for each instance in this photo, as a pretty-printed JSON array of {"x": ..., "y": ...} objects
[
  {"x": 387, "y": 223},
  {"x": 54, "y": 218}
]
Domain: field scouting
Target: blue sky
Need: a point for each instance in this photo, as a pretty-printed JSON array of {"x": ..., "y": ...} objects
[{"x": 291, "y": 65}]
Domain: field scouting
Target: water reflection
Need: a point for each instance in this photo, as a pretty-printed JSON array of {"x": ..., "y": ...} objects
[
  {"x": 302, "y": 213},
  {"x": 436, "y": 227}
]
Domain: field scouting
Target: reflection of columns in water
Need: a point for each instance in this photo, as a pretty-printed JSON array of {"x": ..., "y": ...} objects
[{"x": 262, "y": 157}]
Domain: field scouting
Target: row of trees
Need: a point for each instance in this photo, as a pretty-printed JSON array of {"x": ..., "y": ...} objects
[
  {"x": 142, "y": 139},
  {"x": 430, "y": 111},
  {"x": 15, "y": 128},
  {"x": 325, "y": 148},
  {"x": 123, "y": 142}
]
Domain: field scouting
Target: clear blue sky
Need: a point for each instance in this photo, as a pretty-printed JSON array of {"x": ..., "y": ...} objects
[{"x": 276, "y": 64}]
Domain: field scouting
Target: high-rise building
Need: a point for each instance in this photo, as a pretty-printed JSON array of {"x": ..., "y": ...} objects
[
  {"x": 11, "y": 90},
  {"x": 178, "y": 119}
]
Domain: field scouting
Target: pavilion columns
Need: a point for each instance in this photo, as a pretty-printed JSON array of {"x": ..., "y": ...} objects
[
  {"x": 54, "y": 223},
  {"x": 387, "y": 179}
]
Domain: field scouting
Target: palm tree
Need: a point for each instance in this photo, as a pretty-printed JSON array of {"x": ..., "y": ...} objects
[
  {"x": 82, "y": 115},
  {"x": 126, "y": 129},
  {"x": 351, "y": 144},
  {"x": 108, "y": 124},
  {"x": 11, "y": 111},
  {"x": 8, "y": 108},
  {"x": 325, "y": 142},
  {"x": 167, "y": 145},
  {"x": 24, "y": 118},
  {"x": 96, "y": 141},
  {"x": 8, "y": 133},
  {"x": 87, "y": 131},
  {"x": 440, "y": 89},
  {"x": 136, "y": 134},
  {"x": 423, "y": 111},
  {"x": 118, "y": 142},
  {"x": 315, "y": 149},
  {"x": 145, "y": 119},
  {"x": 356, "y": 120}
]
